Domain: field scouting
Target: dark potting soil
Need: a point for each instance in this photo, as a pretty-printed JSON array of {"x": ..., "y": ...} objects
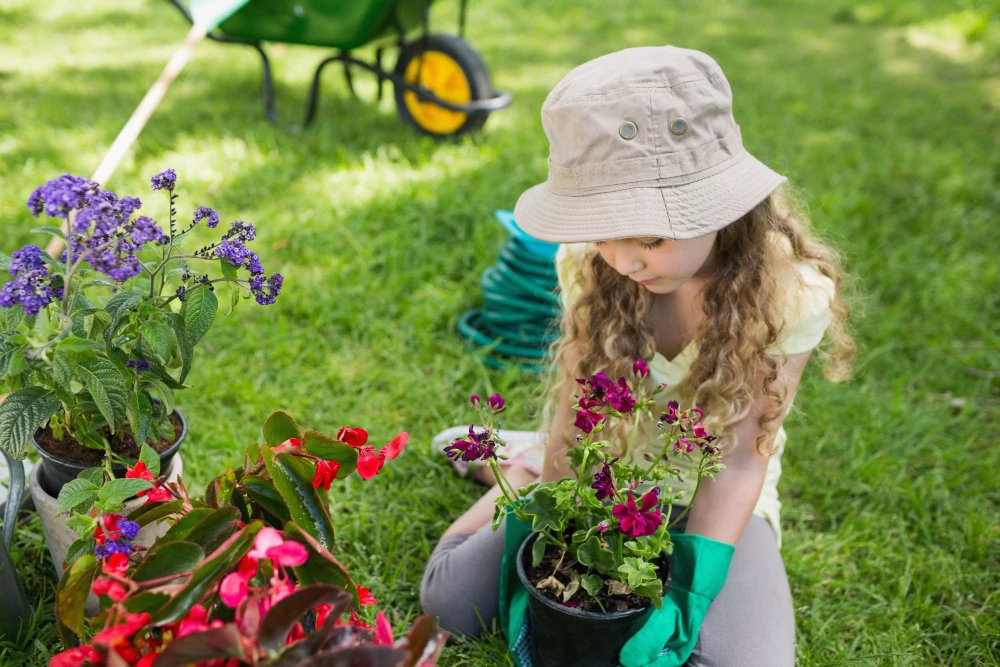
[
  {"x": 122, "y": 443},
  {"x": 581, "y": 599}
]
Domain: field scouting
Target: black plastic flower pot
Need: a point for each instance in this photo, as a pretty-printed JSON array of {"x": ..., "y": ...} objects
[
  {"x": 57, "y": 471},
  {"x": 561, "y": 636}
]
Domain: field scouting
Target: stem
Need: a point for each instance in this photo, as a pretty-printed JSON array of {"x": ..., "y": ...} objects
[
  {"x": 697, "y": 485},
  {"x": 579, "y": 477},
  {"x": 659, "y": 457},
  {"x": 501, "y": 480}
]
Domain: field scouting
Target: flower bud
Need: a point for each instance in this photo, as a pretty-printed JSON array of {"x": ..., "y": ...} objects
[
  {"x": 602, "y": 526},
  {"x": 475, "y": 400},
  {"x": 640, "y": 368},
  {"x": 648, "y": 456},
  {"x": 497, "y": 403}
]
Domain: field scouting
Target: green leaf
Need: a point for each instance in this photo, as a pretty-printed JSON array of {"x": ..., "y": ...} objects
[
  {"x": 77, "y": 492},
  {"x": 157, "y": 338},
  {"x": 183, "y": 346},
  {"x": 592, "y": 583},
  {"x": 327, "y": 448},
  {"x": 321, "y": 566},
  {"x": 167, "y": 558},
  {"x": 106, "y": 386},
  {"x": 4, "y": 261},
  {"x": 262, "y": 492},
  {"x": 199, "y": 312},
  {"x": 638, "y": 572},
  {"x": 79, "y": 349},
  {"x": 117, "y": 491},
  {"x": 139, "y": 411},
  {"x": 84, "y": 545},
  {"x": 220, "y": 490},
  {"x": 159, "y": 388},
  {"x": 593, "y": 554},
  {"x": 292, "y": 476},
  {"x": 653, "y": 590},
  {"x": 10, "y": 354},
  {"x": 234, "y": 298},
  {"x": 280, "y": 427},
  {"x": 21, "y": 414},
  {"x": 537, "y": 552},
  {"x": 208, "y": 575},
  {"x": 545, "y": 515},
  {"x": 94, "y": 475},
  {"x": 48, "y": 229},
  {"x": 10, "y": 317},
  {"x": 206, "y": 526},
  {"x": 229, "y": 271},
  {"x": 82, "y": 524},
  {"x": 149, "y": 456},
  {"x": 118, "y": 307},
  {"x": 71, "y": 594}
]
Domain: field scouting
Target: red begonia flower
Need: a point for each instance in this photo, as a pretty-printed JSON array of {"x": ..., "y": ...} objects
[
  {"x": 115, "y": 564},
  {"x": 139, "y": 472},
  {"x": 117, "y": 634},
  {"x": 383, "y": 630},
  {"x": 365, "y": 598},
  {"x": 77, "y": 657},
  {"x": 233, "y": 589},
  {"x": 355, "y": 437},
  {"x": 326, "y": 472}
]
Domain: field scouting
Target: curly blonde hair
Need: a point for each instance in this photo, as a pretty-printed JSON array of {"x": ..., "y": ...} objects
[{"x": 609, "y": 326}]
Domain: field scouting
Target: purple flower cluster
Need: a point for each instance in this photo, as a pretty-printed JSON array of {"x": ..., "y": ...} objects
[
  {"x": 477, "y": 447},
  {"x": 598, "y": 392},
  {"x": 165, "y": 180},
  {"x": 61, "y": 195},
  {"x": 266, "y": 291},
  {"x": 604, "y": 483},
  {"x": 115, "y": 546},
  {"x": 128, "y": 528},
  {"x": 145, "y": 230},
  {"x": 32, "y": 286},
  {"x": 233, "y": 248},
  {"x": 203, "y": 212},
  {"x": 138, "y": 365}
]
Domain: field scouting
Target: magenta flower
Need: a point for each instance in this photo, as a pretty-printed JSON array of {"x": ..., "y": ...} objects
[
  {"x": 670, "y": 416},
  {"x": 620, "y": 397},
  {"x": 603, "y": 481},
  {"x": 640, "y": 368},
  {"x": 475, "y": 400},
  {"x": 641, "y": 520},
  {"x": 477, "y": 447},
  {"x": 586, "y": 419}
]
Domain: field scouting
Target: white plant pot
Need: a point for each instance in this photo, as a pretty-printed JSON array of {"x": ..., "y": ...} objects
[{"x": 59, "y": 536}]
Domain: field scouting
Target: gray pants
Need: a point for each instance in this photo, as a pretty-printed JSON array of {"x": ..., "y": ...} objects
[{"x": 750, "y": 624}]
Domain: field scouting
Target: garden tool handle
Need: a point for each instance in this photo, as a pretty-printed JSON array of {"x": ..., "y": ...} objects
[{"x": 134, "y": 126}]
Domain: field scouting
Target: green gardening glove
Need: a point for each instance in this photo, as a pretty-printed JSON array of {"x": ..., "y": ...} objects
[
  {"x": 513, "y": 597},
  {"x": 700, "y": 566}
]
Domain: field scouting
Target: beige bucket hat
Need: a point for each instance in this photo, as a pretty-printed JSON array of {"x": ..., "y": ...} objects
[{"x": 643, "y": 143}]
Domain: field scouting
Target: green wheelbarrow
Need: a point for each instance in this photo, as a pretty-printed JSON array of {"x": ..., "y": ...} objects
[{"x": 442, "y": 86}]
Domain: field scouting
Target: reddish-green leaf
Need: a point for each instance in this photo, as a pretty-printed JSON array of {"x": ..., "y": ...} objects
[
  {"x": 71, "y": 594},
  {"x": 424, "y": 641},
  {"x": 147, "y": 513},
  {"x": 280, "y": 427},
  {"x": 369, "y": 655},
  {"x": 321, "y": 566},
  {"x": 287, "y": 612},
  {"x": 293, "y": 477},
  {"x": 166, "y": 559},
  {"x": 327, "y": 448},
  {"x": 208, "y": 575},
  {"x": 206, "y": 526},
  {"x": 199, "y": 647}
]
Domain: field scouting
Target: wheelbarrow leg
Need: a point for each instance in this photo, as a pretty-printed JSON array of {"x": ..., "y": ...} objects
[
  {"x": 313, "y": 101},
  {"x": 347, "y": 73},
  {"x": 378, "y": 63},
  {"x": 267, "y": 84}
]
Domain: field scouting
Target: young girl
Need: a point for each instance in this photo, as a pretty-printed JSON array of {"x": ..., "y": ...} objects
[{"x": 680, "y": 250}]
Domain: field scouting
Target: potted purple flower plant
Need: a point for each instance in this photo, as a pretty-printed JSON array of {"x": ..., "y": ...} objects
[
  {"x": 597, "y": 557},
  {"x": 95, "y": 343}
]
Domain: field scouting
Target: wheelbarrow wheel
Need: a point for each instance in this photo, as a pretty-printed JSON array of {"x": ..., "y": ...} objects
[{"x": 452, "y": 70}]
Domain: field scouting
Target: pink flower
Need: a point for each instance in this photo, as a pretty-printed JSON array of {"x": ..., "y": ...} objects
[
  {"x": 233, "y": 589},
  {"x": 642, "y": 520},
  {"x": 383, "y": 630},
  {"x": 699, "y": 431},
  {"x": 270, "y": 544}
]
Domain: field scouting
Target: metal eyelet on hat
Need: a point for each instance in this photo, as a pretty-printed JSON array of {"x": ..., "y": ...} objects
[
  {"x": 679, "y": 126},
  {"x": 628, "y": 130}
]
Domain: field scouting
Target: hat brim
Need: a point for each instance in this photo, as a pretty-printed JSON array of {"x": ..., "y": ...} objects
[{"x": 676, "y": 212}]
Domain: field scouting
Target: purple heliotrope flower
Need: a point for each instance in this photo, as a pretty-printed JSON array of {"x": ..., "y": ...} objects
[
  {"x": 138, "y": 365},
  {"x": 604, "y": 482},
  {"x": 32, "y": 286},
  {"x": 266, "y": 291},
  {"x": 641, "y": 520},
  {"x": 61, "y": 195},
  {"x": 128, "y": 528},
  {"x": 477, "y": 447},
  {"x": 203, "y": 212},
  {"x": 145, "y": 230},
  {"x": 165, "y": 180},
  {"x": 112, "y": 547}
]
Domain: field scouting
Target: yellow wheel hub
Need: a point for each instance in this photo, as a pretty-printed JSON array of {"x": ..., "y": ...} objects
[{"x": 440, "y": 74}]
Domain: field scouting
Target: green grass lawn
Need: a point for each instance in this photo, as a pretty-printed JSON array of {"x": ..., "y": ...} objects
[{"x": 886, "y": 115}]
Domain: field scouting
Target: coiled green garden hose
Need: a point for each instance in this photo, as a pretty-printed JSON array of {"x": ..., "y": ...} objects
[{"x": 520, "y": 313}]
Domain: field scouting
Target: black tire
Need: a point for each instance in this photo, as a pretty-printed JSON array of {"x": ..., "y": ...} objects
[{"x": 476, "y": 74}]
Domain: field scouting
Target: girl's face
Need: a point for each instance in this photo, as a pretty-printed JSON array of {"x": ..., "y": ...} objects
[{"x": 660, "y": 265}]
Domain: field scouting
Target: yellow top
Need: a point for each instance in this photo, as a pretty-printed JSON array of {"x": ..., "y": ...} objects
[{"x": 807, "y": 315}]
